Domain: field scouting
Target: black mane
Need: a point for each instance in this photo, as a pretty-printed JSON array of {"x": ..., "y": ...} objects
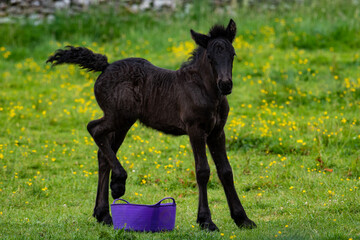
[
  {"x": 217, "y": 31},
  {"x": 195, "y": 55}
]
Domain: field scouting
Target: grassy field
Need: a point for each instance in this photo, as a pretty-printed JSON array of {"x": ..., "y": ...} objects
[{"x": 293, "y": 133}]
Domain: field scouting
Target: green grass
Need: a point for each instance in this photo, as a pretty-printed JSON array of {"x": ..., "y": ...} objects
[{"x": 293, "y": 133}]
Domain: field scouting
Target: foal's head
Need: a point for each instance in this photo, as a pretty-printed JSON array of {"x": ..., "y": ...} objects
[{"x": 220, "y": 53}]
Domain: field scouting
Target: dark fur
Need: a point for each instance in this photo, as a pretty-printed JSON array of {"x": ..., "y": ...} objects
[
  {"x": 189, "y": 101},
  {"x": 81, "y": 56}
]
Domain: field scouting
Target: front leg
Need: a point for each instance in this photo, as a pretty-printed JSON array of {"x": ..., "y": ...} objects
[
  {"x": 197, "y": 140},
  {"x": 216, "y": 144}
]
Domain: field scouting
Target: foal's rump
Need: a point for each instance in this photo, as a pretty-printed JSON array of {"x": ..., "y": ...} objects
[{"x": 117, "y": 88}]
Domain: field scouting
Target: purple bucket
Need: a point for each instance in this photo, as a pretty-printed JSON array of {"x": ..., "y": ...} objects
[{"x": 144, "y": 218}]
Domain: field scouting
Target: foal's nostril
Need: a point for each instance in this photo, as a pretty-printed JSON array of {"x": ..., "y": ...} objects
[{"x": 225, "y": 86}]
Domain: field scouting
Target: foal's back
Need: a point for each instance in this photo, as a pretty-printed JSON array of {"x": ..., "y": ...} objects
[{"x": 139, "y": 90}]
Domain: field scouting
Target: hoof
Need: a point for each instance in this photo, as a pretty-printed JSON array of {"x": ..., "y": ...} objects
[
  {"x": 117, "y": 189},
  {"x": 103, "y": 217},
  {"x": 247, "y": 224},
  {"x": 208, "y": 226},
  {"x": 117, "y": 186},
  {"x": 107, "y": 220}
]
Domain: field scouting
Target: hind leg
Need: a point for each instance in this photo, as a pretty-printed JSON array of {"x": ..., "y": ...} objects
[
  {"x": 99, "y": 130},
  {"x": 108, "y": 142},
  {"x": 101, "y": 210},
  {"x": 117, "y": 184}
]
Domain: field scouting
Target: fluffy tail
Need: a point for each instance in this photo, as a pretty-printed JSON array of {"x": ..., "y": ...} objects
[{"x": 81, "y": 56}]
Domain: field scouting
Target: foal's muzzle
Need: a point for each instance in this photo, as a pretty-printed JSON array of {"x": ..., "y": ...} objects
[{"x": 225, "y": 86}]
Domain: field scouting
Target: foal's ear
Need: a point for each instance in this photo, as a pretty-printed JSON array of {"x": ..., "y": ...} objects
[
  {"x": 200, "y": 39},
  {"x": 231, "y": 30}
]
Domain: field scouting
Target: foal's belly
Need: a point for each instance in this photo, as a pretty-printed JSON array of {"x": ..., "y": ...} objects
[{"x": 168, "y": 127}]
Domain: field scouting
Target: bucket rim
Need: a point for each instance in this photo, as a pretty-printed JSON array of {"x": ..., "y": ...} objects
[{"x": 159, "y": 204}]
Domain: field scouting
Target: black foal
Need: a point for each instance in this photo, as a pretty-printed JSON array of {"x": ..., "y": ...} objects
[{"x": 191, "y": 101}]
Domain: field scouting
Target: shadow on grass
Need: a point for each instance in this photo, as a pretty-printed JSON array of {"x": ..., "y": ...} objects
[{"x": 265, "y": 145}]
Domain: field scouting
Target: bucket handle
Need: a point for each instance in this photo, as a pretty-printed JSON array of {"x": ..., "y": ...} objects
[
  {"x": 120, "y": 199},
  {"x": 165, "y": 199}
]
